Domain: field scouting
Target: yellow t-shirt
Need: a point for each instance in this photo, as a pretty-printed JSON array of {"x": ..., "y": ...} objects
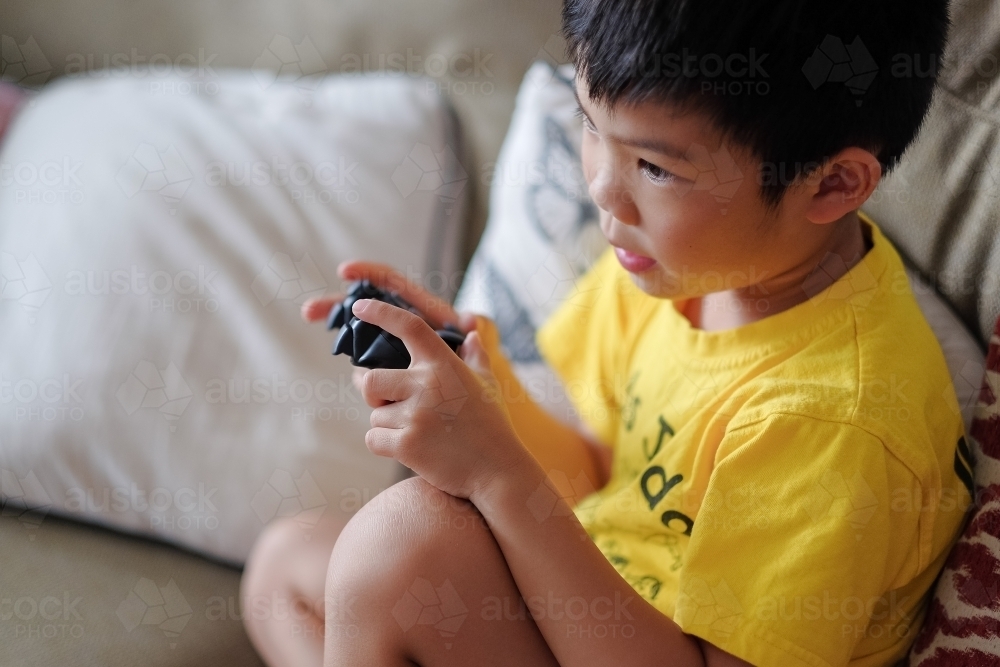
[{"x": 786, "y": 490}]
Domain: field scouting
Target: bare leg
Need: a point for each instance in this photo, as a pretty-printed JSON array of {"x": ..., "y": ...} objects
[
  {"x": 417, "y": 578},
  {"x": 282, "y": 591}
]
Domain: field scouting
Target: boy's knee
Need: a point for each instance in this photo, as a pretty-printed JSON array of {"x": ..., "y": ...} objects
[
  {"x": 278, "y": 542},
  {"x": 407, "y": 531},
  {"x": 278, "y": 539}
]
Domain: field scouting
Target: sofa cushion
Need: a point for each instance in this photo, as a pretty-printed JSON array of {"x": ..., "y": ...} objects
[
  {"x": 939, "y": 206},
  {"x": 154, "y": 252},
  {"x": 72, "y": 594}
]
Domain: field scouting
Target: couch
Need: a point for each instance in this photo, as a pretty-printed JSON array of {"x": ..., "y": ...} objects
[{"x": 939, "y": 208}]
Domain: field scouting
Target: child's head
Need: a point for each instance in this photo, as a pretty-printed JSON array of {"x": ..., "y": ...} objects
[{"x": 728, "y": 139}]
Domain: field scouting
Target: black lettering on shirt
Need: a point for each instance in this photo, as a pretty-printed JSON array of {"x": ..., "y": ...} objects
[
  {"x": 665, "y": 484},
  {"x": 631, "y": 403},
  {"x": 674, "y": 515},
  {"x": 665, "y": 428}
]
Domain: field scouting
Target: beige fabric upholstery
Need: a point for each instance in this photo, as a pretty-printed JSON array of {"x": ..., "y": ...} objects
[
  {"x": 65, "y": 600},
  {"x": 940, "y": 206}
]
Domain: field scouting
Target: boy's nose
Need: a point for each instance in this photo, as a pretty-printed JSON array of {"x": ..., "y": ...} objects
[{"x": 608, "y": 190}]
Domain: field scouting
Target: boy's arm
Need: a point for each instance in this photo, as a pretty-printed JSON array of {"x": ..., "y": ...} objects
[
  {"x": 652, "y": 637},
  {"x": 554, "y": 560},
  {"x": 569, "y": 586},
  {"x": 557, "y": 446}
]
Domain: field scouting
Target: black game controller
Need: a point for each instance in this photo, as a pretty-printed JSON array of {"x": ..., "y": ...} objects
[{"x": 368, "y": 345}]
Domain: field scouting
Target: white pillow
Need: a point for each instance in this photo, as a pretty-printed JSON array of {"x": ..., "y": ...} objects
[
  {"x": 543, "y": 234},
  {"x": 156, "y": 240}
]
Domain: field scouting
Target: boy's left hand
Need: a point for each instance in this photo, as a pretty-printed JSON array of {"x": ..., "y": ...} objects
[{"x": 443, "y": 416}]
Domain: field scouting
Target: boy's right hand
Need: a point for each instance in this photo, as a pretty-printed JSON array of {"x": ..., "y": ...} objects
[{"x": 435, "y": 310}]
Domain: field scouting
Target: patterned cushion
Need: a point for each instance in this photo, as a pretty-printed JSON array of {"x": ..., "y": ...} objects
[
  {"x": 962, "y": 628},
  {"x": 543, "y": 230}
]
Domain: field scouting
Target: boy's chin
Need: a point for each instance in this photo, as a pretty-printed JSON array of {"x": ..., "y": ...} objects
[{"x": 656, "y": 285}]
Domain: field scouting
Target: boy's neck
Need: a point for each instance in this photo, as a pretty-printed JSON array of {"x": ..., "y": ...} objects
[{"x": 733, "y": 308}]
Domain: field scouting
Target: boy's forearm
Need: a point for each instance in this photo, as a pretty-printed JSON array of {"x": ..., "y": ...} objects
[
  {"x": 571, "y": 589},
  {"x": 555, "y": 445}
]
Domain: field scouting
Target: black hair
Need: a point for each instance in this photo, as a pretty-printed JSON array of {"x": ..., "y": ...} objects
[{"x": 792, "y": 81}]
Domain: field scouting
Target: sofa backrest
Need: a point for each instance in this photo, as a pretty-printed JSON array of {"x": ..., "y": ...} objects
[
  {"x": 940, "y": 206},
  {"x": 475, "y": 52}
]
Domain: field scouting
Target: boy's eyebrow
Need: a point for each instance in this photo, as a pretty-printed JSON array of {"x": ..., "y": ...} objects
[{"x": 655, "y": 145}]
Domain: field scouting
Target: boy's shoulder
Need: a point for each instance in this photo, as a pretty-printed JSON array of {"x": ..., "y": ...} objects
[
  {"x": 876, "y": 367},
  {"x": 858, "y": 352}
]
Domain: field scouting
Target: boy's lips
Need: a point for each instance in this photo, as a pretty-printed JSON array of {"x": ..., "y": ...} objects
[{"x": 633, "y": 262}]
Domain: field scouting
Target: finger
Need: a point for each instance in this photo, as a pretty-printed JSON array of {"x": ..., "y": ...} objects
[
  {"x": 393, "y": 415},
  {"x": 418, "y": 337},
  {"x": 467, "y": 322},
  {"x": 388, "y": 385},
  {"x": 437, "y": 311},
  {"x": 317, "y": 310},
  {"x": 358, "y": 378},
  {"x": 383, "y": 441}
]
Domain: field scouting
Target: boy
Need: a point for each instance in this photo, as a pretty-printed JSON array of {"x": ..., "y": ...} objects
[{"x": 770, "y": 422}]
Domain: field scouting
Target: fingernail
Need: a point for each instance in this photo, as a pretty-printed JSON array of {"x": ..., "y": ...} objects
[{"x": 360, "y": 305}]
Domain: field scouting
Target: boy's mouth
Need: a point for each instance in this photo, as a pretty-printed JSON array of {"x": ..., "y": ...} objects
[{"x": 632, "y": 262}]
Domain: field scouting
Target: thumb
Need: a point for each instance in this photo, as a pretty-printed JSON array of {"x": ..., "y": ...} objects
[
  {"x": 474, "y": 354},
  {"x": 478, "y": 359}
]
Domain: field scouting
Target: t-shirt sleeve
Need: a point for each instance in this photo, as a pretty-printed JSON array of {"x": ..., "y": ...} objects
[
  {"x": 582, "y": 341},
  {"x": 796, "y": 542}
]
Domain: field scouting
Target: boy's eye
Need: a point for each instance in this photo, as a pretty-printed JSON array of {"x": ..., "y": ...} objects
[
  {"x": 586, "y": 121},
  {"x": 657, "y": 175}
]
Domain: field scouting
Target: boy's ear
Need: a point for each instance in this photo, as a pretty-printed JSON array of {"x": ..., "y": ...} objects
[{"x": 842, "y": 184}]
